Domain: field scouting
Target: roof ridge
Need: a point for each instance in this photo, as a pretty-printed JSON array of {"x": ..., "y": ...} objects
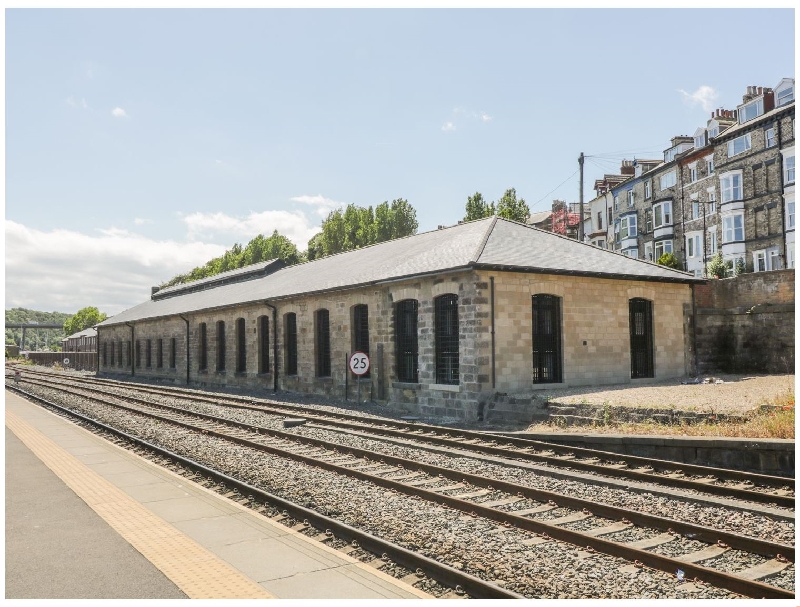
[{"x": 482, "y": 244}]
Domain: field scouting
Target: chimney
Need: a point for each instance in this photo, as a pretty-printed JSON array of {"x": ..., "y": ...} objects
[
  {"x": 154, "y": 290},
  {"x": 626, "y": 168},
  {"x": 760, "y": 90}
]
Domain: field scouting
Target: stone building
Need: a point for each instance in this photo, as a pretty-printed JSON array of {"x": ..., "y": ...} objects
[
  {"x": 83, "y": 341},
  {"x": 754, "y": 167},
  {"x": 449, "y": 318}
]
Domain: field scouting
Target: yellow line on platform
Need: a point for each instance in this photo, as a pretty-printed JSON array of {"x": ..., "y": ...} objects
[{"x": 195, "y": 570}]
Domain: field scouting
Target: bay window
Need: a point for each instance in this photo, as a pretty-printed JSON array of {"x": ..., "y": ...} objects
[
  {"x": 733, "y": 228},
  {"x": 662, "y": 214},
  {"x": 731, "y": 186},
  {"x": 739, "y": 145}
]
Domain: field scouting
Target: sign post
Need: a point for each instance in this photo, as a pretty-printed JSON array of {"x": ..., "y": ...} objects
[{"x": 359, "y": 364}]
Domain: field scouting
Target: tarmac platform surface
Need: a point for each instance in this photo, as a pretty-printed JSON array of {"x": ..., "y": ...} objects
[{"x": 87, "y": 519}]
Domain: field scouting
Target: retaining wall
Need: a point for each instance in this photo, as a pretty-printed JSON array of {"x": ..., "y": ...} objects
[{"x": 79, "y": 361}]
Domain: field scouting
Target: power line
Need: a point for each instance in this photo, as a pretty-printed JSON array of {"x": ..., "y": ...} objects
[{"x": 555, "y": 188}]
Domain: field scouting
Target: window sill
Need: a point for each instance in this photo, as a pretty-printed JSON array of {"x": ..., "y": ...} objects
[
  {"x": 240, "y": 374},
  {"x": 326, "y": 379},
  {"x": 220, "y": 372},
  {"x": 445, "y": 387},
  {"x": 404, "y": 385}
]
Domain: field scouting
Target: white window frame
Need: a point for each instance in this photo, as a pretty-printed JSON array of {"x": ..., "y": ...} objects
[
  {"x": 731, "y": 190},
  {"x": 743, "y": 143},
  {"x": 627, "y": 227},
  {"x": 790, "y": 212},
  {"x": 692, "y": 174},
  {"x": 647, "y": 190},
  {"x": 711, "y": 207},
  {"x": 700, "y": 140},
  {"x": 769, "y": 137},
  {"x": 788, "y": 169},
  {"x": 668, "y": 180},
  {"x": 616, "y": 202},
  {"x": 731, "y": 232},
  {"x": 664, "y": 246},
  {"x": 648, "y": 251},
  {"x": 712, "y": 240},
  {"x": 710, "y": 165},
  {"x": 743, "y": 113},
  {"x": 662, "y": 214},
  {"x": 631, "y": 198},
  {"x": 695, "y": 209},
  {"x": 781, "y": 98}
]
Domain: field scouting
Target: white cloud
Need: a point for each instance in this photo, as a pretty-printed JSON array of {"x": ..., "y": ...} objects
[
  {"x": 448, "y": 126},
  {"x": 139, "y": 221},
  {"x": 112, "y": 270},
  {"x": 294, "y": 225},
  {"x": 485, "y": 117},
  {"x": 460, "y": 115},
  {"x": 323, "y": 205},
  {"x": 118, "y": 112},
  {"x": 705, "y": 96},
  {"x": 72, "y": 103}
]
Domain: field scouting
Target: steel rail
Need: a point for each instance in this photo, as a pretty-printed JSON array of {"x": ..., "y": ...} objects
[
  {"x": 600, "y": 469},
  {"x": 720, "y": 579},
  {"x": 444, "y": 574}
]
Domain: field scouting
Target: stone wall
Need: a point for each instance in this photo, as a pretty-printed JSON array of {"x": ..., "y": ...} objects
[{"x": 746, "y": 324}]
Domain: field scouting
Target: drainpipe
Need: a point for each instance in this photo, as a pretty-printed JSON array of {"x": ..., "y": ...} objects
[
  {"x": 97, "y": 371},
  {"x": 782, "y": 213},
  {"x": 186, "y": 320},
  {"x": 491, "y": 281},
  {"x": 694, "y": 333},
  {"x": 274, "y": 345},
  {"x": 679, "y": 168},
  {"x": 133, "y": 352}
]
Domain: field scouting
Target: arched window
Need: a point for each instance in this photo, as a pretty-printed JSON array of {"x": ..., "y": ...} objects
[
  {"x": 640, "y": 313},
  {"x": 105, "y": 354},
  {"x": 147, "y": 355},
  {"x": 291, "y": 343},
  {"x": 361, "y": 330},
  {"x": 446, "y": 333},
  {"x": 241, "y": 346},
  {"x": 546, "y": 324},
  {"x": 202, "y": 358},
  {"x": 160, "y": 353},
  {"x": 138, "y": 353},
  {"x": 263, "y": 344},
  {"x": 323, "y": 343},
  {"x": 113, "y": 349},
  {"x": 405, "y": 340},
  {"x": 172, "y": 352},
  {"x": 220, "y": 345}
]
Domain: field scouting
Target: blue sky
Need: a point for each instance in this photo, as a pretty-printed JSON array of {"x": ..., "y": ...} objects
[{"x": 141, "y": 143}]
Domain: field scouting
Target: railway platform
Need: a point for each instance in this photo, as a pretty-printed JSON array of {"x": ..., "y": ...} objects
[{"x": 88, "y": 519}]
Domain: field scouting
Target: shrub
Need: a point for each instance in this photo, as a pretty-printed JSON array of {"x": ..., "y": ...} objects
[
  {"x": 716, "y": 266},
  {"x": 740, "y": 267},
  {"x": 669, "y": 260}
]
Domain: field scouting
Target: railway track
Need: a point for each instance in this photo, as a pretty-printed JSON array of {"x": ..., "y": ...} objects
[{"x": 477, "y": 496}]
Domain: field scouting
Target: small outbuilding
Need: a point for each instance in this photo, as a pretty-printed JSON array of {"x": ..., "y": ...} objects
[{"x": 448, "y": 318}]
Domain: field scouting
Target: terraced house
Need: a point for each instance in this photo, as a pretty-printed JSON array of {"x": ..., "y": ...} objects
[{"x": 449, "y": 319}]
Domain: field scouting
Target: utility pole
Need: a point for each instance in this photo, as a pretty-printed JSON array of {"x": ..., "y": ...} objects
[{"x": 580, "y": 219}]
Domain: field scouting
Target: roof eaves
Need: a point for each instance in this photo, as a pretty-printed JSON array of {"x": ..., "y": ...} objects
[{"x": 688, "y": 279}]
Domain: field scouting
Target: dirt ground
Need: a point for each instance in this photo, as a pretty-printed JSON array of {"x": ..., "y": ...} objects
[{"x": 736, "y": 393}]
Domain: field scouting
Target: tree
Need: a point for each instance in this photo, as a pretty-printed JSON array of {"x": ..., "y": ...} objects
[
  {"x": 83, "y": 319},
  {"x": 478, "y": 208},
  {"x": 669, "y": 260},
  {"x": 384, "y": 222},
  {"x": 333, "y": 233},
  {"x": 509, "y": 207},
  {"x": 404, "y": 218},
  {"x": 739, "y": 268},
  {"x": 716, "y": 267},
  {"x": 315, "y": 248}
]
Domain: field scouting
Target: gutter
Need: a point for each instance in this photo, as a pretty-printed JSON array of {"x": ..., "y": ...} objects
[
  {"x": 491, "y": 281},
  {"x": 782, "y": 214},
  {"x": 274, "y": 345},
  {"x": 186, "y": 320}
]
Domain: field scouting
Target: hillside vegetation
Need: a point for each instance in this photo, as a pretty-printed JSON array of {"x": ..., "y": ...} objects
[{"x": 41, "y": 337}]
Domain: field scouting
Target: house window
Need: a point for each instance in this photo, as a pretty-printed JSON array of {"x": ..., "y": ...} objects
[
  {"x": 751, "y": 110},
  {"x": 788, "y": 170},
  {"x": 693, "y": 174},
  {"x": 648, "y": 251},
  {"x": 713, "y": 132},
  {"x": 668, "y": 180},
  {"x": 119, "y": 351},
  {"x": 733, "y": 228},
  {"x": 693, "y": 246},
  {"x": 600, "y": 220},
  {"x": 147, "y": 357},
  {"x": 616, "y": 202},
  {"x": 323, "y": 342},
  {"x": 616, "y": 231},
  {"x": 546, "y": 321},
  {"x": 360, "y": 326},
  {"x": 731, "y": 187},
  {"x": 160, "y": 354},
  {"x": 628, "y": 226},
  {"x": 291, "y": 343},
  {"x": 241, "y": 346},
  {"x": 105, "y": 354},
  {"x": 662, "y": 213},
  {"x": 790, "y": 214},
  {"x": 739, "y": 145},
  {"x": 700, "y": 140},
  {"x": 661, "y": 247},
  {"x": 173, "y": 350},
  {"x": 766, "y": 259},
  {"x": 203, "y": 343},
  {"x": 446, "y": 335},
  {"x": 647, "y": 189},
  {"x": 138, "y": 353},
  {"x": 113, "y": 348},
  {"x": 710, "y": 166},
  {"x": 405, "y": 338},
  {"x": 128, "y": 353},
  {"x": 695, "y": 209},
  {"x": 220, "y": 345},
  {"x": 712, "y": 241},
  {"x": 648, "y": 221},
  {"x": 784, "y": 96},
  {"x": 610, "y": 216},
  {"x": 769, "y": 136},
  {"x": 711, "y": 207},
  {"x": 630, "y": 198},
  {"x": 263, "y": 344}
]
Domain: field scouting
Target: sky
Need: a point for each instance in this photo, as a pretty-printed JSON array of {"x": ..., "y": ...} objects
[{"x": 141, "y": 143}]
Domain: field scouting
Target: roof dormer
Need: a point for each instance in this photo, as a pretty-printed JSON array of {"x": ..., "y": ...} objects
[{"x": 784, "y": 92}]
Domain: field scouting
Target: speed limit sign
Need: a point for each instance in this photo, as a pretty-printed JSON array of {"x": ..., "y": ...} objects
[{"x": 359, "y": 363}]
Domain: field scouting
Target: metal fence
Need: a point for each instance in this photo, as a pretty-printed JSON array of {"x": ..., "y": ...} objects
[{"x": 79, "y": 361}]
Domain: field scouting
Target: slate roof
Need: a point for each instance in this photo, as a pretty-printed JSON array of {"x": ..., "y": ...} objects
[
  {"x": 90, "y": 332},
  {"x": 490, "y": 243},
  {"x": 251, "y": 271},
  {"x": 743, "y": 128}
]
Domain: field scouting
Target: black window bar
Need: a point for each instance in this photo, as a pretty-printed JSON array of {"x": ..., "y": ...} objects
[
  {"x": 241, "y": 346},
  {"x": 128, "y": 353},
  {"x": 147, "y": 353},
  {"x": 291, "y": 344},
  {"x": 203, "y": 358},
  {"x": 546, "y": 322},
  {"x": 641, "y": 328},
  {"x": 405, "y": 337},
  {"x": 105, "y": 354},
  {"x": 263, "y": 344},
  {"x": 446, "y": 331},
  {"x": 172, "y": 352},
  {"x": 323, "y": 344},
  {"x": 160, "y": 354},
  {"x": 220, "y": 345},
  {"x": 361, "y": 330},
  {"x": 138, "y": 353},
  {"x": 119, "y": 351},
  {"x": 113, "y": 349}
]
